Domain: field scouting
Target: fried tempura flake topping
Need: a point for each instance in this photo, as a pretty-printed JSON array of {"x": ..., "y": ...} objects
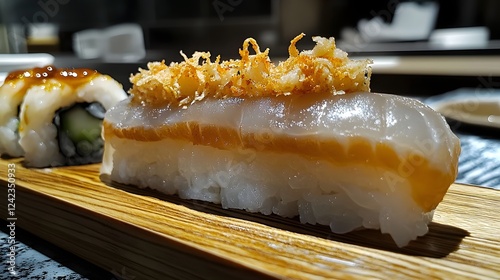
[{"x": 322, "y": 69}]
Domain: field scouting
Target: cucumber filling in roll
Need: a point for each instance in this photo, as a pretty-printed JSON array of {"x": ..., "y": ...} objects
[{"x": 79, "y": 132}]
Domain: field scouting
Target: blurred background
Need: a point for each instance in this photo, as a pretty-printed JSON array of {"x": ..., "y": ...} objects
[{"x": 386, "y": 30}]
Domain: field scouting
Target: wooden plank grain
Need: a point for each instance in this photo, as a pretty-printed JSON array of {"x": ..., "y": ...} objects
[{"x": 155, "y": 236}]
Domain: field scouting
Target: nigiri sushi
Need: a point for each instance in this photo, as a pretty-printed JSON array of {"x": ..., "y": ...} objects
[
  {"x": 301, "y": 138},
  {"x": 53, "y": 116}
]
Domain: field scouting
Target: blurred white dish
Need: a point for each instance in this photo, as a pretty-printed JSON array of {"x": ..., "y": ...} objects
[
  {"x": 88, "y": 43},
  {"x": 465, "y": 36},
  {"x": 124, "y": 43},
  {"x": 411, "y": 22},
  {"x": 118, "y": 43},
  {"x": 471, "y": 106}
]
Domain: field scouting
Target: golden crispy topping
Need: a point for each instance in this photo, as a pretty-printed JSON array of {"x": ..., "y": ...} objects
[{"x": 322, "y": 69}]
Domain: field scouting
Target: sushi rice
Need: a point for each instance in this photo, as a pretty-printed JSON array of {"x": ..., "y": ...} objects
[{"x": 271, "y": 183}]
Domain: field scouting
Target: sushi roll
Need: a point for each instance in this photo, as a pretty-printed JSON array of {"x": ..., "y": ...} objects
[
  {"x": 303, "y": 137},
  {"x": 55, "y": 115}
]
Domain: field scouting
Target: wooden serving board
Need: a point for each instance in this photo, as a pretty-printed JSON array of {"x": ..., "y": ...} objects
[{"x": 153, "y": 236}]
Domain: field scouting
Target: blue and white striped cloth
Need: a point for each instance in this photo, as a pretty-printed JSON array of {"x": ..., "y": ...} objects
[{"x": 479, "y": 162}]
